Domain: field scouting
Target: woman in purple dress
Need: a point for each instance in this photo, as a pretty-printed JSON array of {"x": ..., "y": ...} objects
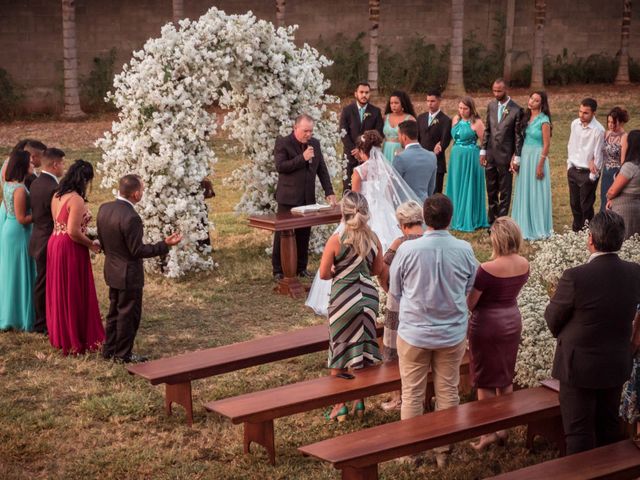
[{"x": 495, "y": 324}]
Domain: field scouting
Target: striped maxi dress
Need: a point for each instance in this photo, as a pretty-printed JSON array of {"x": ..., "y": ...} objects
[{"x": 353, "y": 309}]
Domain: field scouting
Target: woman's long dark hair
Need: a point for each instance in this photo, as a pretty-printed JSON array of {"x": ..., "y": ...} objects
[
  {"x": 544, "y": 108},
  {"x": 18, "y": 166},
  {"x": 405, "y": 101},
  {"x": 633, "y": 147},
  {"x": 76, "y": 179}
]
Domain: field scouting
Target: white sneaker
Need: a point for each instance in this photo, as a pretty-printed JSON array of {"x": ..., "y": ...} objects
[{"x": 391, "y": 405}]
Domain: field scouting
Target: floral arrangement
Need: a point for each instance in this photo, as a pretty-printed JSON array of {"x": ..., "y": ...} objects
[
  {"x": 554, "y": 256},
  {"x": 248, "y": 68}
]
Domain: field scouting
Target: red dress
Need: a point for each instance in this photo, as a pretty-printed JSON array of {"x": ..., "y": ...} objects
[{"x": 73, "y": 315}]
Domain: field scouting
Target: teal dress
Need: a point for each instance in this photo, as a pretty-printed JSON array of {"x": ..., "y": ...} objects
[
  {"x": 466, "y": 185},
  {"x": 391, "y": 144},
  {"x": 17, "y": 268},
  {"x": 532, "y": 199}
]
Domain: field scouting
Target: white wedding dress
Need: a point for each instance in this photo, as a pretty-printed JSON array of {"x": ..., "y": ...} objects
[{"x": 384, "y": 190}]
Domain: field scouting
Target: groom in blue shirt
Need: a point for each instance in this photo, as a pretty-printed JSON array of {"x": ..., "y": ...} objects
[{"x": 417, "y": 166}]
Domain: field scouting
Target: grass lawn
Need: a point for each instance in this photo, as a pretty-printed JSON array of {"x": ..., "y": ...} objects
[{"x": 82, "y": 417}]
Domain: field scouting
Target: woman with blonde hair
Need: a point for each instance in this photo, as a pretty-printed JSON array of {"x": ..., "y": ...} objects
[
  {"x": 349, "y": 260},
  {"x": 466, "y": 184},
  {"x": 495, "y": 324}
]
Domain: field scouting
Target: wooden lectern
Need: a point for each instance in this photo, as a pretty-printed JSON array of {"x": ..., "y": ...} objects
[{"x": 286, "y": 223}]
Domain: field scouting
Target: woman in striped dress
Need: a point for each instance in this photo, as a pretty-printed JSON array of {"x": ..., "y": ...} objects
[{"x": 350, "y": 258}]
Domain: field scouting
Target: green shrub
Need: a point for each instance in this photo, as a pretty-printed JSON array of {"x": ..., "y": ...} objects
[
  {"x": 349, "y": 62},
  {"x": 94, "y": 88},
  {"x": 10, "y": 96},
  {"x": 634, "y": 70},
  {"x": 565, "y": 69},
  {"x": 482, "y": 65}
]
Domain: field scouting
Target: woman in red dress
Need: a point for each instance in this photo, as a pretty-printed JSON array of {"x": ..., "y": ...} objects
[{"x": 73, "y": 315}]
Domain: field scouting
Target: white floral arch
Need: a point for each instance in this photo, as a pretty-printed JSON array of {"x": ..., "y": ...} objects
[{"x": 251, "y": 70}]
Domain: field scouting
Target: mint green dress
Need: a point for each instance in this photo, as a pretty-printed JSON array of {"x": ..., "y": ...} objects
[
  {"x": 391, "y": 144},
  {"x": 17, "y": 268},
  {"x": 466, "y": 184},
  {"x": 532, "y": 199}
]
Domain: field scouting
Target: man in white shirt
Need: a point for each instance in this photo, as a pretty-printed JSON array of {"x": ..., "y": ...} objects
[{"x": 584, "y": 161}]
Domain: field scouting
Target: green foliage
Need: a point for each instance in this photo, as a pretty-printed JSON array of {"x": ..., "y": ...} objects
[
  {"x": 482, "y": 65},
  {"x": 634, "y": 70},
  {"x": 10, "y": 96},
  {"x": 566, "y": 69},
  {"x": 349, "y": 62},
  {"x": 521, "y": 77},
  {"x": 94, "y": 88}
]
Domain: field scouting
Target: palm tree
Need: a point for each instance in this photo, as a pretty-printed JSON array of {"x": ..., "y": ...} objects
[
  {"x": 537, "y": 73},
  {"x": 455, "y": 82},
  {"x": 374, "y": 18},
  {"x": 178, "y": 11},
  {"x": 622, "y": 78},
  {"x": 280, "y": 9},
  {"x": 508, "y": 40},
  {"x": 72, "y": 108}
]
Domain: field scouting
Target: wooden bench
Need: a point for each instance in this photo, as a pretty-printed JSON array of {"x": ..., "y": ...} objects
[
  {"x": 618, "y": 461},
  {"x": 258, "y": 410},
  {"x": 358, "y": 454},
  {"x": 179, "y": 371}
]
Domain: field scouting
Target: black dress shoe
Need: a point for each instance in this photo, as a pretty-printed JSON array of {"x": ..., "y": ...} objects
[
  {"x": 306, "y": 274},
  {"x": 278, "y": 276},
  {"x": 133, "y": 358}
]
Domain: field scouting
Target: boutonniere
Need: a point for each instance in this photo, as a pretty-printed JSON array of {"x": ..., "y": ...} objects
[
  {"x": 366, "y": 114},
  {"x": 435, "y": 121},
  {"x": 505, "y": 112}
]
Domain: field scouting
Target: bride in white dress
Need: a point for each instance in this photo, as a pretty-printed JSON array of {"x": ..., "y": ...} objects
[{"x": 384, "y": 190}]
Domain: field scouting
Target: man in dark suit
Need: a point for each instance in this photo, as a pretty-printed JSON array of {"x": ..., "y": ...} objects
[
  {"x": 42, "y": 190},
  {"x": 503, "y": 137},
  {"x": 298, "y": 161},
  {"x": 356, "y": 118},
  {"x": 120, "y": 233},
  {"x": 434, "y": 134},
  {"x": 591, "y": 315}
]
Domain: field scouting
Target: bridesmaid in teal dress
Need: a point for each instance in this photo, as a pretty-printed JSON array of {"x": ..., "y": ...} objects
[
  {"x": 17, "y": 268},
  {"x": 399, "y": 108},
  {"x": 466, "y": 184},
  {"x": 532, "y": 199}
]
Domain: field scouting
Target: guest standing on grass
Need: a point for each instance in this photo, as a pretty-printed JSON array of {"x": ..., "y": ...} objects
[
  {"x": 624, "y": 195},
  {"x": 434, "y": 134},
  {"x": 350, "y": 258},
  {"x": 584, "y": 161},
  {"x": 465, "y": 186},
  {"x": 591, "y": 315},
  {"x": 615, "y": 146},
  {"x": 399, "y": 109},
  {"x": 495, "y": 324},
  {"x": 430, "y": 278},
  {"x": 120, "y": 233},
  {"x": 42, "y": 190},
  {"x": 73, "y": 316},
  {"x": 17, "y": 269},
  {"x": 532, "y": 209},
  {"x": 356, "y": 118},
  {"x": 416, "y": 166}
]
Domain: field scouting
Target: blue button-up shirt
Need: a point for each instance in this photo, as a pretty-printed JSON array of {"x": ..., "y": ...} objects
[{"x": 430, "y": 278}]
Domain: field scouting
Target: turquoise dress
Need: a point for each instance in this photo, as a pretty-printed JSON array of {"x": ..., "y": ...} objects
[
  {"x": 466, "y": 185},
  {"x": 17, "y": 268},
  {"x": 391, "y": 144},
  {"x": 532, "y": 199}
]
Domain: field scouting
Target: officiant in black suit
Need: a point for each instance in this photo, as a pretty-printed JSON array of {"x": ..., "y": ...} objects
[
  {"x": 42, "y": 190},
  {"x": 503, "y": 137},
  {"x": 434, "y": 134},
  {"x": 356, "y": 118},
  {"x": 120, "y": 233},
  {"x": 591, "y": 314},
  {"x": 298, "y": 161}
]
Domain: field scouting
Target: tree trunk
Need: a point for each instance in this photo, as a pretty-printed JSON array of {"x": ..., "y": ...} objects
[
  {"x": 374, "y": 18},
  {"x": 455, "y": 82},
  {"x": 72, "y": 108},
  {"x": 508, "y": 40},
  {"x": 537, "y": 73},
  {"x": 280, "y": 9},
  {"x": 622, "y": 78},
  {"x": 178, "y": 11}
]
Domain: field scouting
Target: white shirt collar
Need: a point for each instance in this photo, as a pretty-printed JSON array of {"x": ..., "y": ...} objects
[
  {"x": 505, "y": 102},
  {"x": 118, "y": 197},
  {"x": 595, "y": 255},
  {"x": 360, "y": 107},
  {"x": 51, "y": 175},
  {"x": 434, "y": 115},
  {"x": 411, "y": 144}
]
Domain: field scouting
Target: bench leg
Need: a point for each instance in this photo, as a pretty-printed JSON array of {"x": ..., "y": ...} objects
[
  {"x": 549, "y": 428},
  {"x": 179, "y": 393},
  {"x": 364, "y": 473},
  {"x": 262, "y": 434}
]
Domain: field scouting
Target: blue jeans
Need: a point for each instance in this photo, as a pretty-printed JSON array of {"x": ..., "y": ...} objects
[{"x": 608, "y": 174}]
